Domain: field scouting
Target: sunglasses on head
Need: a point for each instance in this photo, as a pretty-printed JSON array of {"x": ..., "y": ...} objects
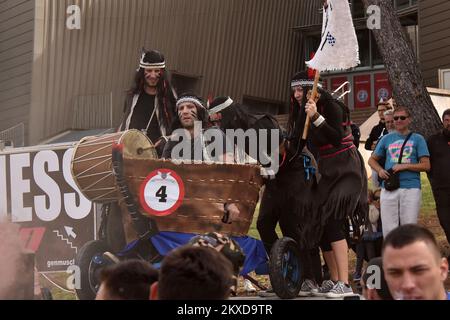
[{"x": 400, "y": 118}]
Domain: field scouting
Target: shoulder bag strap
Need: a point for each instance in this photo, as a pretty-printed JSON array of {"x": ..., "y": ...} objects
[{"x": 403, "y": 146}]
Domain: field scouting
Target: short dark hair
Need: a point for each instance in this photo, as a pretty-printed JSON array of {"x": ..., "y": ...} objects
[
  {"x": 408, "y": 234},
  {"x": 129, "y": 280},
  {"x": 446, "y": 113},
  {"x": 195, "y": 273},
  {"x": 383, "y": 291}
]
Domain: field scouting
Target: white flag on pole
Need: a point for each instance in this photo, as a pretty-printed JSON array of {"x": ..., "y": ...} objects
[{"x": 338, "y": 48}]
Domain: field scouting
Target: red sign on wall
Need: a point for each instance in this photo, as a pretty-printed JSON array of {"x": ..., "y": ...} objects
[
  {"x": 362, "y": 91},
  {"x": 383, "y": 88},
  {"x": 336, "y": 83}
]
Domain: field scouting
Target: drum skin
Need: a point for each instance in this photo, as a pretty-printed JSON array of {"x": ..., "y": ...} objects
[{"x": 91, "y": 162}]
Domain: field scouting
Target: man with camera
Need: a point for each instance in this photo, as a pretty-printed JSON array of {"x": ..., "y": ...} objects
[{"x": 406, "y": 155}]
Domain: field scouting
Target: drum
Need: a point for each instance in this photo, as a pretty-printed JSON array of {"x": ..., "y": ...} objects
[{"x": 91, "y": 164}]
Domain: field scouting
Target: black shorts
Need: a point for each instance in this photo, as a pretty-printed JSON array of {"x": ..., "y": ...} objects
[{"x": 334, "y": 230}]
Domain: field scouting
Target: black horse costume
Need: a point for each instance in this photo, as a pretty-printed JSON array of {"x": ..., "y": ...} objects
[{"x": 288, "y": 197}]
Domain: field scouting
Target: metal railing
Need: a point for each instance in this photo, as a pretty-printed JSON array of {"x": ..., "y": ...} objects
[
  {"x": 341, "y": 90},
  {"x": 13, "y": 137}
]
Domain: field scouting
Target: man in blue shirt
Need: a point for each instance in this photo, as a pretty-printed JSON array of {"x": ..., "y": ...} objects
[{"x": 401, "y": 206}]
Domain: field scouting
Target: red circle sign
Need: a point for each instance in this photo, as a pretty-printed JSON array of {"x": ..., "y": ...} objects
[{"x": 162, "y": 192}]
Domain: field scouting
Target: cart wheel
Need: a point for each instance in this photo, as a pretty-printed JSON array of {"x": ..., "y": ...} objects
[
  {"x": 284, "y": 268},
  {"x": 89, "y": 260}
]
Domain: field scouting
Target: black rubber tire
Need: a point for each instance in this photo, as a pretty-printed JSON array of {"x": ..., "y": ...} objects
[
  {"x": 285, "y": 268},
  {"x": 89, "y": 270},
  {"x": 115, "y": 234}
]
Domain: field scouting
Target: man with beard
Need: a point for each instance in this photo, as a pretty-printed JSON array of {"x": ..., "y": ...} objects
[
  {"x": 150, "y": 105},
  {"x": 192, "y": 120},
  {"x": 190, "y": 142},
  {"x": 439, "y": 147}
]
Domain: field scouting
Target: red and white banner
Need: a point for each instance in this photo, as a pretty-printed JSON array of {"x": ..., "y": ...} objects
[
  {"x": 383, "y": 89},
  {"x": 362, "y": 91}
]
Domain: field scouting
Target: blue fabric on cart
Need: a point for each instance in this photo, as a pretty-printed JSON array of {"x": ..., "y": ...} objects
[{"x": 255, "y": 254}]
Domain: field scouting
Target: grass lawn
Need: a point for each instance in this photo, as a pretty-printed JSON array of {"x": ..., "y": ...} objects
[{"x": 428, "y": 206}]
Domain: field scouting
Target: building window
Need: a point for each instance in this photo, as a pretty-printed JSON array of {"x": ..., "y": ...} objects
[
  {"x": 377, "y": 59},
  {"x": 413, "y": 34},
  {"x": 358, "y": 10},
  {"x": 364, "y": 47},
  {"x": 311, "y": 44},
  {"x": 444, "y": 79},
  {"x": 402, "y": 4}
]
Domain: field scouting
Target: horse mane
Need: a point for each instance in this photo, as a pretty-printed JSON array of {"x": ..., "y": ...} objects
[{"x": 237, "y": 117}]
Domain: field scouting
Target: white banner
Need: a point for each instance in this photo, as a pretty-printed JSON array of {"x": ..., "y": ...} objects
[{"x": 338, "y": 48}]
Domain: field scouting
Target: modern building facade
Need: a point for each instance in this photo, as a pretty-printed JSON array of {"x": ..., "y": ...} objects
[
  {"x": 67, "y": 64},
  {"x": 55, "y": 76},
  {"x": 427, "y": 27}
]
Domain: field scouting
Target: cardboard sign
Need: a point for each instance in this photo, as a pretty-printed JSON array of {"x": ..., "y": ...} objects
[
  {"x": 162, "y": 192},
  {"x": 38, "y": 193}
]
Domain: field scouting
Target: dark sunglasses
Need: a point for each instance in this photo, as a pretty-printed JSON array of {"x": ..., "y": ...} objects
[{"x": 400, "y": 118}]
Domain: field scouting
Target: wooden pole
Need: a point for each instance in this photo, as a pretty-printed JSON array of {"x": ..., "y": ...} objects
[{"x": 313, "y": 97}]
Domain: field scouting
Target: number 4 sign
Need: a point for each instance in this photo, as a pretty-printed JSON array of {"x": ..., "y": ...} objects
[{"x": 162, "y": 192}]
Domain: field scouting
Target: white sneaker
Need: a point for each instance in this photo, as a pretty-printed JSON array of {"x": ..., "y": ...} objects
[
  {"x": 340, "y": 290},
  {"x": 326, "y": 286},
  {"x": 308, "y": 288},
  {"x": 248, "y": 286}
]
